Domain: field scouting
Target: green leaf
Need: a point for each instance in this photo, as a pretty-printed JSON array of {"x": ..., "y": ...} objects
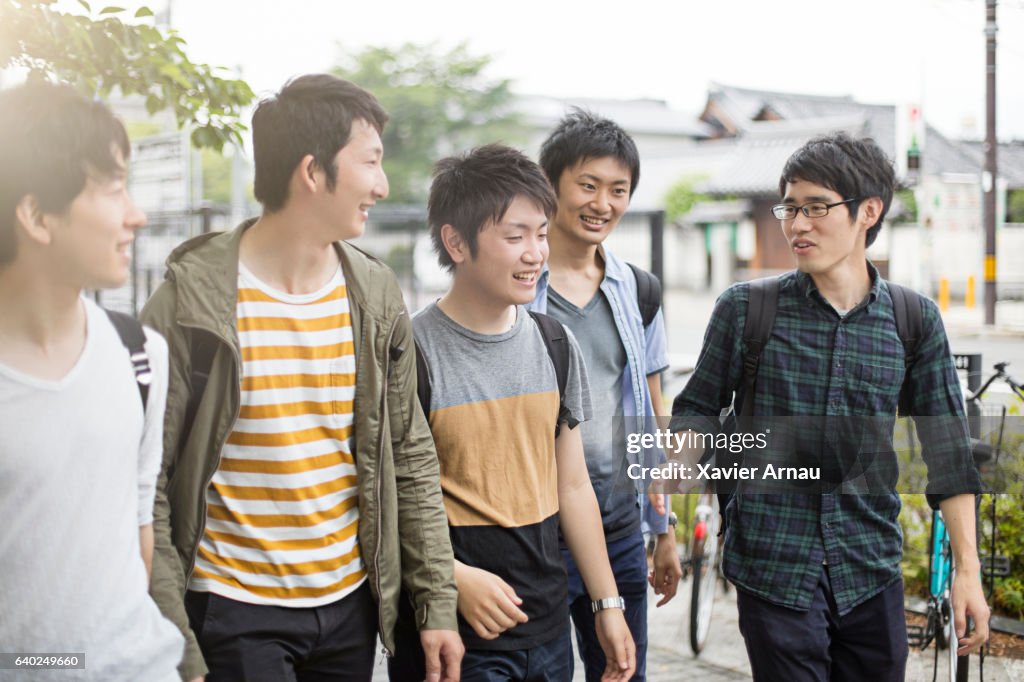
[
  {"x": 143, "y": 12},
  {"x": 111, "y": 10},
  {"x": 84, "y": 4}
]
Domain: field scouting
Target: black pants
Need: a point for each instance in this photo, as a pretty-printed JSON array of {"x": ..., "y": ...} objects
[
  {"x": 868, "y": 643},
  {"x": 254, "y": 643}
]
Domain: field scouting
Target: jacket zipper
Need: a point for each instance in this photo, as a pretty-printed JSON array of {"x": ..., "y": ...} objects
[{"x": 380, "y": 462}]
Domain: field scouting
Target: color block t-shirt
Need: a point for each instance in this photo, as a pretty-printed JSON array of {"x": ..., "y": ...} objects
[{"x": 493, "y": 407}]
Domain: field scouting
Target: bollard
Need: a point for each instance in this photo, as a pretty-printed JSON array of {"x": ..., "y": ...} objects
[
  {"x": 969, "y": 295},
  {"x": 943, "y": 294}
]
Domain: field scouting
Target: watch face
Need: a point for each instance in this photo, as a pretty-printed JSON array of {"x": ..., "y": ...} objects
[{"x": 672, "y": 519}]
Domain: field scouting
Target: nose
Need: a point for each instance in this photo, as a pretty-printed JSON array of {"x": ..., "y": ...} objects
[
  {"x": 536, "y": 252},
  {"x": 601, "y": 201},
  {"x": 134, "y": 218},
  {"x": 381, "y": 189}
]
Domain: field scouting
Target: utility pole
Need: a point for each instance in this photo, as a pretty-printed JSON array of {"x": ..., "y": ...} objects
[{"x": 988, "y": 178}]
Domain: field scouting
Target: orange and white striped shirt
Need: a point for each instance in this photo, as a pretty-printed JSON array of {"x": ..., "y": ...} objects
[{"x": 281, "y": 527}]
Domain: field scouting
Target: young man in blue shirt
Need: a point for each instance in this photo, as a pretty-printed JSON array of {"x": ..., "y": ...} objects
[{"x": 594, "y": 168}]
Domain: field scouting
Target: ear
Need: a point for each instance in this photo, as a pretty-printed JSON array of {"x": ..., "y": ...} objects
[
  {"x": 454, "y": 244},
  {"x": 305, "y": 174},
  {"x": 869, "y": 211},
  {"x": 31, "y": 220}
]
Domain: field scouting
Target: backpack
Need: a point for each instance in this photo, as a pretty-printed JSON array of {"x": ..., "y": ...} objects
[
  {"x": 134, "y": 339},
  {"x": 648, "y": 293},
  {"x": 761, "y": 306},
  {"x": 557, "y": 344}
]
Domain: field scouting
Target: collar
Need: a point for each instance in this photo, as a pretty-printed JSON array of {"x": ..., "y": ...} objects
[{"x": 807, "y": 287}]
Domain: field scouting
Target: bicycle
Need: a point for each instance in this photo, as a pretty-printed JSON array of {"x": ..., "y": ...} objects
[
  {"x": 939, "y": 625},
  {"x": 704, "y": 564}
]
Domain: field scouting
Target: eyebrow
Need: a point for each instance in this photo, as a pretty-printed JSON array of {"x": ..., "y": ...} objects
[
  {"x": 591, "y": 176},
  {"x": 808, "y": 200},
  {"x": 524, "y": 226}
]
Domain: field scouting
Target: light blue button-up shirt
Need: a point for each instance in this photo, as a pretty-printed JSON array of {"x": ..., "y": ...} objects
[{"x": 646, "y": 354}]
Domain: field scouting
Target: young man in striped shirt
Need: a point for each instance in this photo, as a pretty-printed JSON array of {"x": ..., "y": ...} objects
[{"x": 300, "y": 487}]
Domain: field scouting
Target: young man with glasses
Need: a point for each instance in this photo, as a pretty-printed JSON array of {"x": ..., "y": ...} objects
[{"x": 820, "y": 591}]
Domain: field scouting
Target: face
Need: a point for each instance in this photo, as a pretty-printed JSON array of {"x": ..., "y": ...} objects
[
  {"x": 361, "y": 182},
  {"x": 821, "y": 245},
  {"x": 510, "y": 255},
  {"x": 592, "y": 196},
  {"x": 91, "y": 240}
]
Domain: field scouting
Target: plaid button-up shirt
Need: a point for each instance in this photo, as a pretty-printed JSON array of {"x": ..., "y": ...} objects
[{"x": 818, "y": 363}]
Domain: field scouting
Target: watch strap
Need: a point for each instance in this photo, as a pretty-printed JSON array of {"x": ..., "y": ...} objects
[{"x": 608, "y": 603}]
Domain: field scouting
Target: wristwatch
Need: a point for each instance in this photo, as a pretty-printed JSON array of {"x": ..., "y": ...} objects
[
  {"x": 608, "y": 603},
  {"x": 672, "y": 519}
]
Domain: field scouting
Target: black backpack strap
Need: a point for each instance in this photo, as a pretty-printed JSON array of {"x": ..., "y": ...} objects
[
  {"x": 906, "y": 305},
  {"x": 557, "y": 343},
  {"x": 202, "y": 346},
  {"x": 761, "y": 307},
  {"x": 134, "y": 339},
  {"x": 422, "y": 381},
  {"x": 648, "y": 293}
]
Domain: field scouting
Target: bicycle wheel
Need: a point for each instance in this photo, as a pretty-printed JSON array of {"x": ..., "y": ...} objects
[{"x": 705, "y": 576}]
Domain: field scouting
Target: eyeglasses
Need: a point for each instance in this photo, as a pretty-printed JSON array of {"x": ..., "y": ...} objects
[{"x": 815, "y": 209}]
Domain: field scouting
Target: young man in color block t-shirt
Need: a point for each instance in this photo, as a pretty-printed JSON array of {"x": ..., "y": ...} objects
[{"x": 509, "y": 482}]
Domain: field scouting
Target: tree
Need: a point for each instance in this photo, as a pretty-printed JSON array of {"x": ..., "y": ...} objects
[
  {"x": 681, "y": 197},
  {"x": 102, "y": 53},
  {"x": 1015, "y": 206},
  {"x": 439, "y": 103}
]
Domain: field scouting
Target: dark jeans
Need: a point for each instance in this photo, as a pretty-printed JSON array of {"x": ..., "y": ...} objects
[
  {"x": 628, "y": 558},
  {"x": 868, "y": 643},
  {"x": 549, "y": 662},
  {"x": 254, "y": 643}
]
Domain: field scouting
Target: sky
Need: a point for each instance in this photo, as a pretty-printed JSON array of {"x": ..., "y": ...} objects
[{"x": 928, "y": 53}]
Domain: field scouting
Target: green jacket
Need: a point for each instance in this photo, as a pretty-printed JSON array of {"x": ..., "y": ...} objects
[{"x": 403, "y": 529}]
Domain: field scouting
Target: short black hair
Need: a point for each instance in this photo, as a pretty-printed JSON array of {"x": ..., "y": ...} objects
[
  {"x": 313, "y": 114},
  {"x": 471, "y": 188},
  {"x": 581, "y": 136},
  {"x": 853, "y": 168},
  {"x": 51, "y": 140}
]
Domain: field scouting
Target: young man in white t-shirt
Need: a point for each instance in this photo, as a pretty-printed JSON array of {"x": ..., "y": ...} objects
[{"x": 79, "y": 453}]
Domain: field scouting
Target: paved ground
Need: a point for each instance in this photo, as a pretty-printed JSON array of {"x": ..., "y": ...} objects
[{"x": 724, "y": 658}]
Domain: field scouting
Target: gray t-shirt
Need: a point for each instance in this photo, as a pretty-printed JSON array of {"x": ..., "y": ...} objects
[
  {"x": 493, "y": 407},
  {"x": 603, "y": 436}
]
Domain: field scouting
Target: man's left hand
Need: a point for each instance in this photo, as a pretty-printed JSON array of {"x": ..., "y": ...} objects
[
  {"x": 617, "y": 644},
  {"x": 969, "y": 600},
  {"x": 442, "y": 652},
  {"x": 667, "y": 571}
]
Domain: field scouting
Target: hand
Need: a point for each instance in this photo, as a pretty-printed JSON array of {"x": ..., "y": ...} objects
[
  {"x": 201, "y": 678},
  {"x": 487, "y": 602},
  {"x": 667, "y": 571},
  {"x": 442, "y": 652},
  {"x": 657, "y": 501},
  {"x": 969, "y": 600},
  {"x": 617, "y": 643}
]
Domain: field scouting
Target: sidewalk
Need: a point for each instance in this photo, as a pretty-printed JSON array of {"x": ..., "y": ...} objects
[{"x": 724, "y": 658}]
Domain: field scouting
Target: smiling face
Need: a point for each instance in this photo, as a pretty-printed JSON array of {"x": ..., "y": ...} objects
[
  {"x": 830, "y": 242},
  {"x": 592, "y": 197},
  {"x": 509, "y": 255},
  {"x": 90, "y": 242},
  {"x": 360, "y": 183}
]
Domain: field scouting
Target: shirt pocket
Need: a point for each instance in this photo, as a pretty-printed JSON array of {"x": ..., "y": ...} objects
[{"x": 876, "y": 386}]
